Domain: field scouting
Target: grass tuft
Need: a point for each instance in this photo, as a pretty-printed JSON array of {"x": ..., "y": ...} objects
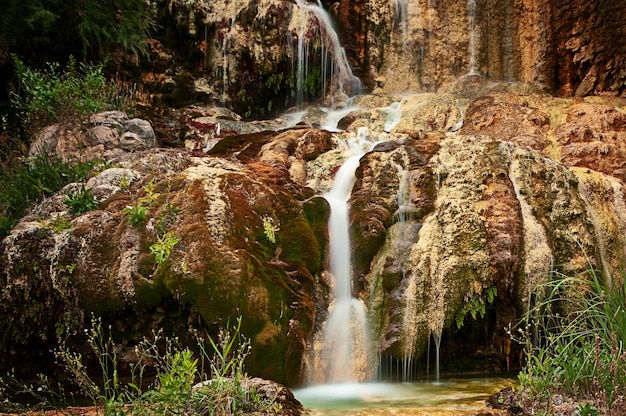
[
  {"x": 32, "y": 180},
  {"x": 575, "y": 344}
]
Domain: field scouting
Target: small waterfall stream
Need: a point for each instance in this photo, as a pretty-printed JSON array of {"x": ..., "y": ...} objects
[
  {"x": 471, "y": 11},
  {"x": 401, "y": 16},
  {"x": 337, "y": 79},
  {"x": 539, "y": 259},
  {"x": 346, "y": 351},
  {"x": 226, "y": 44}
]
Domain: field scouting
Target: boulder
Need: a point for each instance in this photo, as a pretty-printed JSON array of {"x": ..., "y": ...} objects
[{"x": 110, "y": 134}]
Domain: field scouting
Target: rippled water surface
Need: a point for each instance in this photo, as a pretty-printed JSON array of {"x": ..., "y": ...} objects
[{"x": 447, "y": 397}]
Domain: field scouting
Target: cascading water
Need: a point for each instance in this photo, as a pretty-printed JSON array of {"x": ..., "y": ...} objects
[
  {"x": 404, "y": 234},
  {"x": 345, "y": 351},
  {"x": 394, "y": 115},
  {"x": 471, "y": 12},
  {"x": 336, "y": 79},
  {"x": 228, "y": 37},
  {"x": 401, "y": 18},
  {"x": 538, "y": 259}
]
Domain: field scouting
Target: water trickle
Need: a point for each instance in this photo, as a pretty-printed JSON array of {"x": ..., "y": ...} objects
[
  {"x": 337, "y": 81},
  {"x": 538, "y": 258},
  {"x": 431, "y": 11},
  {"x": 394, "y": 115},
  {"x": 346, "y": 353},
  {"x": 437, "y": 337},
  {"x": 226, "y": 44},
  {"x": 471, "y": 13},
  {"x": 401, "y": 16},
  {"x": 405, "y": 205}
]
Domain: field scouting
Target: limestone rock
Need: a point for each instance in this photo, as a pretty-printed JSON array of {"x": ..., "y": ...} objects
[
  {"x": 594, "y": 136},
  {"x": 507, "y": 117},
  {"x": 222, "y": 265},
  {"x": 110, "y": 134}
]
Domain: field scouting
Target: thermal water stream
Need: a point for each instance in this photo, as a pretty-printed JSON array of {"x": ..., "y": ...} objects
[
  {"x": 346, "y": 350},
  {"x": 336, "y": 74},
  {"x": 471, "y": 11}
]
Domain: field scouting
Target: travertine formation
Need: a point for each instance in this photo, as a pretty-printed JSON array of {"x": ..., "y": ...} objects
[
  {"x": 478, "y": 191},
  {"x": 245, "y": 54}
]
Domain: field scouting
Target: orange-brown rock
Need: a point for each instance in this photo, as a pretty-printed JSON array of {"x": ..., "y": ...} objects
[
  {"x": 594, "y": 136},
  {"x": 507, "y": 117}
]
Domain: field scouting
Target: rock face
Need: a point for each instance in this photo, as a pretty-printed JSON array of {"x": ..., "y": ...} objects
[
  {"x": 252, "y": 55},
  {"x": 566, "y": 47},
  {"x": 469, "y": 200},
  {"x": 107, "y": 135},
  {"x": 241, "y": 243}
]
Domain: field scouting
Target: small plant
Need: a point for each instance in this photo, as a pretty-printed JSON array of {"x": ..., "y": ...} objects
[
  {"x": 68, "y": 268},
  {"x": 124, "y": 182},
  {"x": 136, "y": 214},
  {"x": 60, "y": 223},
  {"x": 476, "y": 305},
  {"x": 151, "y": 196},
  {"x": 587, "y": 409},
  {"x": 270, "y": 229},
  {"x": 81, "y": 201},
  {"x": 163, "y": 247},
  {"x": 225, "y": 393}
]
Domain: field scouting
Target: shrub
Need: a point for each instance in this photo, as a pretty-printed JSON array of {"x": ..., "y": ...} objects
[
  {"x": 49, "y": 95},
  {"x": 172, "y": 392}
]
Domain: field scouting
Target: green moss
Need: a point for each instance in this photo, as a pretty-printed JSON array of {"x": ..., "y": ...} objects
[
  {"x": 317, "y": 212},
  {"x": 299, "y": 244},
  {"x": 149, "y": 294}
]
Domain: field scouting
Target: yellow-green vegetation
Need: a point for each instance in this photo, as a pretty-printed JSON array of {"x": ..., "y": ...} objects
[
  {"x": 476, "y": 305},
  {"x": 207, "y": 382},
  {"x": 270, "y": 229},
  {"x": 576, "y": 344},
  {"x": 163, "y": 246},
  {"x": 136, "y": 214}
]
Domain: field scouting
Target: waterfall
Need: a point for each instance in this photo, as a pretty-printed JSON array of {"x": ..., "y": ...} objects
[
  {"x": 225, "y": 45},
  {"x": 394, "y": 115},
  {"x": 403, "y": 234},
  {"x": 346, "y": 352},
  {"x": 538, "y": 254},
  {"x": 401, "y": 11},
  {"x": 471, "y": 9},
  {"x": 336, "y": 79}
]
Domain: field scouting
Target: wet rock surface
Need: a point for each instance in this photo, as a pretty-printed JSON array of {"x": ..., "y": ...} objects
[{"x": 447, "y": 225}]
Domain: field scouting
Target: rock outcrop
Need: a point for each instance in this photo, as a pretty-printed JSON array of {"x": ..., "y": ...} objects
[
  {"x": 470, "y": 200},
  {"x": 252, "y": 55},
  {"x": 234, "y": 239}
]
